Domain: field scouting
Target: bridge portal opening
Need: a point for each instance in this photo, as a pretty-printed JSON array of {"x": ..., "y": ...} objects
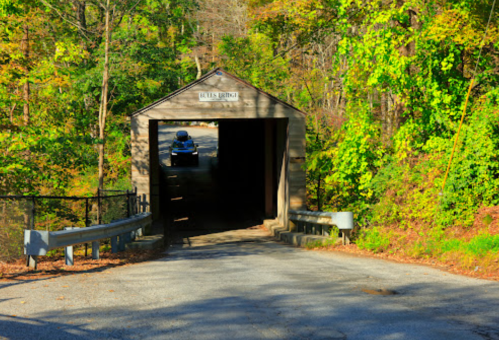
[{"x": 232, "y": 181}]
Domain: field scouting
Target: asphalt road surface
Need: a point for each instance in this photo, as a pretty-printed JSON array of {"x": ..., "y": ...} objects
[
  {"x": 243, "y": 285},
  {"x": 240, "y": 284},
  {"x": 205, "y": 138}
]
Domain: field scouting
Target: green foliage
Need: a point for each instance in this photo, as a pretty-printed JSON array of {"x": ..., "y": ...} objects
[
  {"x": 32, "y": 159},
  {"x": 408, "y": 187},
  {"x": 434, "y": 245},
  {"x": 482, "y": 244},
  {"x": 374, "y": 240},
  {"x": 56, "y": 152},
  {"x": 473, "y": 180},
  {"x": 397, "y": 78},
  {"x": 7, "y": 7},
  {"x": 253, "y": 60},
  {"x": 355, "y": 163},
  {"x": 320, "y": 148},
  {"x": 477, "y": 246}
]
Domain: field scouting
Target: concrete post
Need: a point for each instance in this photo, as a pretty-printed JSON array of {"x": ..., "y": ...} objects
[
  {"x": 68, "y": 251},
  {"x": 68, "y": 254},
  {"x": 346, "y": 236},
  {"x": 95, "y": 250},
  {"x": 114, "y": 244},
  {"x": 32, "y": 261}
]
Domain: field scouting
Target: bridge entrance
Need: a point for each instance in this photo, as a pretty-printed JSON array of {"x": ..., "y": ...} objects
[
  {"x": 234, "y": 183},
  {"x": 261, "y": 149}
]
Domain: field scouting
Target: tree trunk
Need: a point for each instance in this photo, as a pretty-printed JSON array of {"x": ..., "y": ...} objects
[
  {"x": 213, "y": 48},
  {"x": 198, "y": 65},
  {"x": 319, "y": 202},
  {"x": 384, "y": 115},
  {"x": 11, "y": 114},
  {"x": 81, "y": 18},
  {"x": 103, "y": 107},
  {"x": 25, "y": 49}
]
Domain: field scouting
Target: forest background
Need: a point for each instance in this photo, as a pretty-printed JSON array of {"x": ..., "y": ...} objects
[{"x": 383, "y": 82}]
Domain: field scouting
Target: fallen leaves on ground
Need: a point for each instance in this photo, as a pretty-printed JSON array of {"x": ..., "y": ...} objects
[
  {"x": 486, "y": 222},
  {"x": 430, "y": 262},
  {"x": 55, "y": 266}
]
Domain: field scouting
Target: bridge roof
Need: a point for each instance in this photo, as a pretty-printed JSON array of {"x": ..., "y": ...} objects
[{"x": 210, "y": 74}]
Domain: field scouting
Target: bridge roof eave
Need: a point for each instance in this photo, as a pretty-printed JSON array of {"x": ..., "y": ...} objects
[{"x": 202, "y": 79}]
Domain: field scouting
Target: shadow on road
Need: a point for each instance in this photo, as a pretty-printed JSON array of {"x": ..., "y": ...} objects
[{"x": 263, "y": 313}]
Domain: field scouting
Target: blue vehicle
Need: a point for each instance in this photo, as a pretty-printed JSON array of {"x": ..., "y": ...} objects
[{"x": 183, "y": 149}]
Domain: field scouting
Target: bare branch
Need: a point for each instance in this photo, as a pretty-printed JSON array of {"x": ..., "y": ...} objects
[{"x": 63, "y": 17}]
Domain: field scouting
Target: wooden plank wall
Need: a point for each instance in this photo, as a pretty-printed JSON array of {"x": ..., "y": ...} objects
[{"x": 252, "y": 104}]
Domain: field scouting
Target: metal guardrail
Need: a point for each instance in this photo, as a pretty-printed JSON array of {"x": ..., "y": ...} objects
[
  {"x": 342, "y": 220},
  {"x": 54, "y": 213},
  {"x": 38, "y": 243}
]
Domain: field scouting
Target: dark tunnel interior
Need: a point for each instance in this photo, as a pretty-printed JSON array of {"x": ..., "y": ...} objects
[{"x": 233, "y": 186}]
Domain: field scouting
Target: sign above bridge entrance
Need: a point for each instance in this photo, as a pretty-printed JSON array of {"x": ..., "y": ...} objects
[{"x": 218, "y": 96}]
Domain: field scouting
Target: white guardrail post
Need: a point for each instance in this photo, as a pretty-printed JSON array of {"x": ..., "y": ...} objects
[
  {"x": 68, "y": 251},
  {"x": 343, "y": 220},
  {"x": 38, "y": 243},
  {"x": 95, "y": 250}
]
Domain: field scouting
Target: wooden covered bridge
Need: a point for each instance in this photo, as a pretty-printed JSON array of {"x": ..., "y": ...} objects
[{"x": 261, "y": 140}]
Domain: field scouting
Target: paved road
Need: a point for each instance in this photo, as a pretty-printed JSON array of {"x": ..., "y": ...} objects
[
  {"x": 242, "y": 285},
  {"x": 206, "y": 138}
]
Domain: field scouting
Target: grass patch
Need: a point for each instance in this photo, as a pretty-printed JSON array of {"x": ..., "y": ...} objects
[
  {"x": 478, "y": 246},
  {"x": 330, "y": 241},
  {"x": 476, "y": 255},
  {"x": 374, "y": 240}
]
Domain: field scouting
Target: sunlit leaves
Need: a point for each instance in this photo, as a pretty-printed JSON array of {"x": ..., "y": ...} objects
[
  {"x": 58, "y": 149},
  {"x": 253, "y": 60},
  {"x": 305, "y": 19}
]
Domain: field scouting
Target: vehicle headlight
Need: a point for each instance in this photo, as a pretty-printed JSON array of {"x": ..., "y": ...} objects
[
  {"x": 195, "y": 153},
  {"x": 174, "y": 154}
]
